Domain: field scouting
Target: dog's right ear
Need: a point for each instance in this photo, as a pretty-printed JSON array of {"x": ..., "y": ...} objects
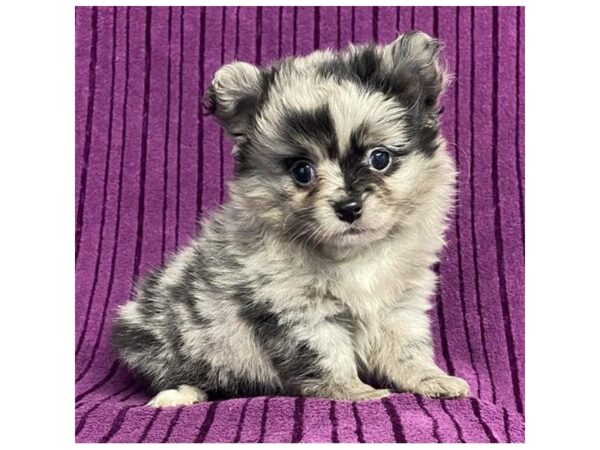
[
  {"x": 233, "y": 97},
  {"x": 414, "y": 66}
]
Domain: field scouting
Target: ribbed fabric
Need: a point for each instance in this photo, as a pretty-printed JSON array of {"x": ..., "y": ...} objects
[{"x": 148, "y": 164}]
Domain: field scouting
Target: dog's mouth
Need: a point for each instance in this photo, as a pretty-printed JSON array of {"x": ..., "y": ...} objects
[
  {"x": 351, "y": 237},
  {"x": 353, "y": 231}
]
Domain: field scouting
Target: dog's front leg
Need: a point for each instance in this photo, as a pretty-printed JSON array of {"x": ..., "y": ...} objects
[{"x": 401, "y": 354}]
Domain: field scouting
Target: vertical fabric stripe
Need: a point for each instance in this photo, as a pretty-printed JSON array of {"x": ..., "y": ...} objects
[
  {"x": 473, "y": 210},
  {"x": 221, "y": 150},
  {"x": 434, "y": 423},
  {"x": 394, "y": 417},
  {"x": 206, "y": 424},
  {"x": 359, "y": 431},
  {"x": 518, "y": 124},
  {"x": 334, "y": 423},
  {"x": 376, "y": 23},
  {"x": 166, "y": 146},
  {"x": 459, "y": 430},
  {"x": 263, "y": 420},
  {"x": 179, "y": 112},
  {"x": 141, "y": 197},
  {"x": 148, "y": 426},
  {"x": 477, "y": 411},
  {"x": 172, "y": 424},
  {"x": 259, "y": 13},
  {"x": 457, "y": 214},
  {"x": 240, "y": 426},
  {"x": 298, "y": 419},
  {"x": 202, "y": 82},
  {"x": 506, "y": 425},
  {"x": 88, "y": 130},
  {"x": 317, "y": 31},
  {"x": 353, "y": 26},
  {"x": 279, "y": 32},
  {"x": 339, "y": 27},
  {"x": 498, "y": 221}
]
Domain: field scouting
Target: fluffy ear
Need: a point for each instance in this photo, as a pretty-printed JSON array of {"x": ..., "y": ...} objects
[
  {"x": 412, "y": 60},
  {"x": 233, "y": 96}
]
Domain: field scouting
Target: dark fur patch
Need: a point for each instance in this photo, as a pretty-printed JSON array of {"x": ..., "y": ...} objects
[
  {"x": 366, "y": 64},
  {"x": 426, "y": 138},
  {"x": 314, "y": 125},
  {"x": 132, "y": 338},
  {"x": 173, "y": 333},
  {"x": 364, "y": 67},
  {"x": 198, "y": 373},
  {"x": 345, "y": 319},
  {"x": 361, "y": 67},
  {"x": 237, "y": 387},
  {"x": 182, "y": 293},
  {"x": 268, "y": 77},
  {"x": 209, "y": 101},
  {"x": 357, "y": 174},
  {"x": 416, "y": 85},
  {"x": 149, "y": 286},
  {"x": 294, "y": 359}
]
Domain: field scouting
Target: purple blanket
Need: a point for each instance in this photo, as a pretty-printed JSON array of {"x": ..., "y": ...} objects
[{"x": 149, "y": 163}]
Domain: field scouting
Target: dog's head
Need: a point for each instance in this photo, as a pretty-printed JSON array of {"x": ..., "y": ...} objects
[{"x": 336, "y": 148}]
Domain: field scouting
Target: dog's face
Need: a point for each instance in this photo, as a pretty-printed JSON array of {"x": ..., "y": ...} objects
[{"x": 335, "y": 149}]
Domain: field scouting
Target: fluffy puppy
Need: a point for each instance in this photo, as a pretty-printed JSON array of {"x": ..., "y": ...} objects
[{"x": 316, "y": 275}]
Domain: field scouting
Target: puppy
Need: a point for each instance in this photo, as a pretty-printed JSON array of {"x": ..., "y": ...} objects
[{"x": 316, "y": 275}]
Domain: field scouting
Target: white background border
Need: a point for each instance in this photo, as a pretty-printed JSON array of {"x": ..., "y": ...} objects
[{"x": 37, "y": 193}]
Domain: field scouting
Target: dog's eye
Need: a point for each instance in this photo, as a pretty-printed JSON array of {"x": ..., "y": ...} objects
[
  {"x": 303, "y": 173},
  {"x": 379, "y": 159}
]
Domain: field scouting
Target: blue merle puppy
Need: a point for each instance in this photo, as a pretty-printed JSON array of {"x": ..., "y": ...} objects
[{"x": 316, "y": 276}]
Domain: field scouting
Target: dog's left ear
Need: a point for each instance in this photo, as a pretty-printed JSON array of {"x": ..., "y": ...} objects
[
  {"x": 413, "y": 68},
  {"x": 233, "y": 96}
]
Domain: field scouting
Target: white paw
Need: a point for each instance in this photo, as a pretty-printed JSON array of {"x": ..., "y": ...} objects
[
  {"x": 182, "y": 396},
  {"x": 443, "y": 386}
]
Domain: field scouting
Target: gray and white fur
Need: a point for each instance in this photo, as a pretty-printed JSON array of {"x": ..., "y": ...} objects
[{"x": 316, "y": 276}]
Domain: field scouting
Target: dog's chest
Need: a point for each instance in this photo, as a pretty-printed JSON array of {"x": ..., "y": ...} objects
[{"x": 369, "y": 286}]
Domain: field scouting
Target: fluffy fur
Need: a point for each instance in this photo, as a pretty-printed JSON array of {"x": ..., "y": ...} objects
[{"x": 278, "y": 294}]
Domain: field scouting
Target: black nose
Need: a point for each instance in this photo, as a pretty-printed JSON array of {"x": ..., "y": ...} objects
[{"x": 348, "y": 210}]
